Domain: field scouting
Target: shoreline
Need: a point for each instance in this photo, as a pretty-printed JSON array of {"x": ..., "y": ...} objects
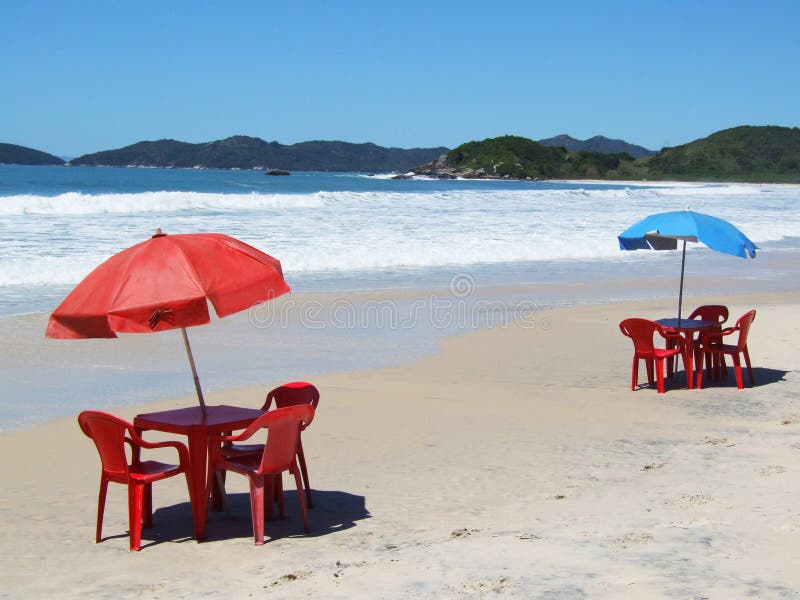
[
  {"x": 307, "y": 334},
  {"x": 513, "y": 460}
]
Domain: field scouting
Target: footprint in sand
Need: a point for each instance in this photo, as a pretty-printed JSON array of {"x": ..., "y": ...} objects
[
  {"x": 772, "y": 470},
  {"x": 691, "y": 500},
  {"x": 630, "y": 539},
  {"x": 499, "y": 586},
  {"x": 463, "y": 532},
  {"x": 653, "y": 466},
  {"x": 715, "y": 441},
  {"x": 288, "y": 578}
]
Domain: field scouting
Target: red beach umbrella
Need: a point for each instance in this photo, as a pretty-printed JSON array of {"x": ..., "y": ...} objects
[{"x": 167, "y": 282}]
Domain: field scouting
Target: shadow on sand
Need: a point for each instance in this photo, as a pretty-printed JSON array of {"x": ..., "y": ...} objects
[
  {"x": 761, "y": 375},
  {"x": 333, "y": 511}
]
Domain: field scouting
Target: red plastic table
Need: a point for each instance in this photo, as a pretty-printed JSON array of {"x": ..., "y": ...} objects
[
  {"x": 687, "y": 328},
  {"x": 197, "y": 428}
]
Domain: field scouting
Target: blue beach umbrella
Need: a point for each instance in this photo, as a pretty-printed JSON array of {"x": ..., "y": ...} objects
[{"x": 663, "y": 230}]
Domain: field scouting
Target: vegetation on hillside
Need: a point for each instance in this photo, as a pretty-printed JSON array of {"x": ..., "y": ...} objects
[
  {"x": 520, "y": 158},
  {"x": 746, "y": 154},
  {"x": 243, "y": 152},
  {"x": 754, "y": 154},
  {"x": 11, "y": 154}
]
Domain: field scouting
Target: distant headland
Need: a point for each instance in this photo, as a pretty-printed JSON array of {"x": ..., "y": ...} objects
[
  {"x": 11, "y": 154},
  {"x": 764, "y": 154},
  {"x": 243, "y": 152}
]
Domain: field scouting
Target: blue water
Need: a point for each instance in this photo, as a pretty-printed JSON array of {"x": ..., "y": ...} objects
[
  {"x": 55, "y": 180},
  {"x": 464, "y": 241}
]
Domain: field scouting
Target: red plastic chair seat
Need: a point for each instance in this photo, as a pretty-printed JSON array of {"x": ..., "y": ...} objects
[
  {"x": 110, "y": 434},
  {"x": 153, "y": 470}
]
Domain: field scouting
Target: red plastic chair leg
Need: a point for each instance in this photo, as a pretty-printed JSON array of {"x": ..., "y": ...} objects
[
  {"x": 737, "y": 370},
  {"x": 660, "y": 374},
  {"x": 300, "y": 495},
  {"x": 257, "y": 508},
  {"x": 707, "y": 359},
  {"x": 101, "y": 507},
  {"x": 135, "y": 500},
  {"x": 749, "y": 367},
  {"x": 301, "y": 458}
]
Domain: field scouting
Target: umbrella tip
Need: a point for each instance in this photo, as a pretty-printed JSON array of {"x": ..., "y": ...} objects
[{"x": 158, "y": 232}]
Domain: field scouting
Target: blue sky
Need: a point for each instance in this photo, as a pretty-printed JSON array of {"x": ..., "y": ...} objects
[{"x": 79, "y": 77}]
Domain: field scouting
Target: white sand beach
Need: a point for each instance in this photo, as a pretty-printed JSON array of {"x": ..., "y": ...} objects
[{"x": 515, "y": 462}]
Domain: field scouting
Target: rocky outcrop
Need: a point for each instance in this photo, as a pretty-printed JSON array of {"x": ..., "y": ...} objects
[{"x": 440, "y": 168}]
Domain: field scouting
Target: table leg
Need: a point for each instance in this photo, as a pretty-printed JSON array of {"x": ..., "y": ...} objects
[{"x": 198, "y": 454}]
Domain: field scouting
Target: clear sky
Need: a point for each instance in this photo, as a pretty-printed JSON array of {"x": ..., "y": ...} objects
[{"x": 79, "y": 77}]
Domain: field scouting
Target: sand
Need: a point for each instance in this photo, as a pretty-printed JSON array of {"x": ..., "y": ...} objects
[{"x": 514, "y": 462}]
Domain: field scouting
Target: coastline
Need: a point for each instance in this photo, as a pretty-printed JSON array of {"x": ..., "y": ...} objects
[{"x": 512, "y": 461}]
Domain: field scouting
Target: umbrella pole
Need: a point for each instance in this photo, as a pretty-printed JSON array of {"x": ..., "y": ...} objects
[
  {"x": 680, "y": 292},
  {"x": 194, "y": 371}
]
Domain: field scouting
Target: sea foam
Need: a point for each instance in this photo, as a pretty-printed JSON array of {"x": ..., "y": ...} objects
[{"x": 57, "y": 240}]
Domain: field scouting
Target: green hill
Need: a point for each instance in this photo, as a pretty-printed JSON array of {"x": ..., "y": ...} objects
[
  {"x": 513, "y": 157},
  {"x": 243, "y": 152},
  {"x": 752, "y": 154},
  {"x": 11, "y": 154},
  {"x": 746, "y": 154}
]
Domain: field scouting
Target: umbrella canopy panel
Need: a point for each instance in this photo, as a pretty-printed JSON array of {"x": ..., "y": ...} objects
[
  {"x": 165, "y": 283},
  {"x": 663, "y": 230}
]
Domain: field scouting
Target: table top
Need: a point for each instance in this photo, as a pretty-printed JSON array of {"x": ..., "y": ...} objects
[
  {"x": 686, "y": 324},
  {"x": 218, "y": 418}
]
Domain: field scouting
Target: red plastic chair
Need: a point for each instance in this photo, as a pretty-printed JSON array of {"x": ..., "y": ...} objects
[
  {"x": 712, "y": 345},
  {"x": 709, "y": 312},
  {"x": 295, "y": 393},
  {"x": 110, "y": 434},
  {"x": 279, "y": 454},
  {"x": 642, "y": 332},
  {"x": 706, "y": 312}
]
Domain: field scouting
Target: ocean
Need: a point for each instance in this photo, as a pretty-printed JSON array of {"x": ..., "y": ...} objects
[{"x": 337, "y": 233}]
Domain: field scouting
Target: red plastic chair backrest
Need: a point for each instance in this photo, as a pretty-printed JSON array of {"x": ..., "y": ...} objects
[
  {"x": 641, "y": 331},
  {"x": 108, "y": 434},
  {"x": 292, "y": 394},
  {"x": 710, "y": 312},
  {"x": 283, "y": 431},
  {"x": 743, "y": 325}
]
